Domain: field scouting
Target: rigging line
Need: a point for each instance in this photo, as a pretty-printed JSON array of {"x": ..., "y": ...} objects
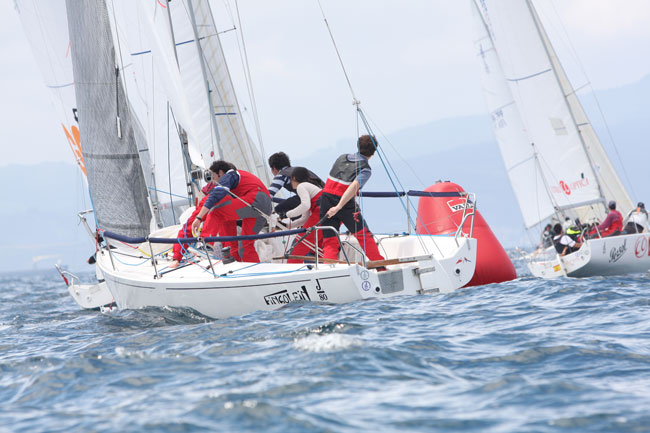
[
  {"x": 169, "y": 168},
  {"x": 356, "y": 101},
  {"x": 588, "y": 84},
  {"x": 386, "y": 168}
]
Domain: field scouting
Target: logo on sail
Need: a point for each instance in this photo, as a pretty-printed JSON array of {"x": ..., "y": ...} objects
[
  {"x": 74, "y": 139},
  {"x": 568, "y": 188}
]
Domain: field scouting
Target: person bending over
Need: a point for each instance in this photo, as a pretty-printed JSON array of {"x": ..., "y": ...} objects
[{"x": 238, "y": 195}]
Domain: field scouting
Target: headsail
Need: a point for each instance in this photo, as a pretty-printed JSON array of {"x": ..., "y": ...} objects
[
  {"x": 115, "y": 177},
  {"x": 46, "y": 28},
  {"x": 551, "y": 161}
]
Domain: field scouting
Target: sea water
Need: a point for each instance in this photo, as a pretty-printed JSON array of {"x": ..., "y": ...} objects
[{"x": 531, "y": 355}]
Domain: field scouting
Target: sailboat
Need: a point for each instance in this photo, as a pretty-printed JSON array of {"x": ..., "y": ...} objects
[
  {"x": 173, "y": 64},
  {"x": 557, "y": 167}
]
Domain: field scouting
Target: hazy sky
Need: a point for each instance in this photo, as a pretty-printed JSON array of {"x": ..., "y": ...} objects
[{"x": 410, "y": 62}]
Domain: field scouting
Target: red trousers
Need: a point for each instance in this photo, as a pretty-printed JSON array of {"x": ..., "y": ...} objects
[
  {"x": 302, "y": 249},
  {"x": 223, "y": 217}
]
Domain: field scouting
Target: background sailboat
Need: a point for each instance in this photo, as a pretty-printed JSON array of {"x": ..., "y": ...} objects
[{"x": 556, "y": 165}]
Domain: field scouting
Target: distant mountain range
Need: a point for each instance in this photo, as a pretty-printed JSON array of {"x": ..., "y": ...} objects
[{"x": 41, "y": 201}]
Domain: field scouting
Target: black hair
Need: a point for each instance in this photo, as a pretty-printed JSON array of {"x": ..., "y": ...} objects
[
  {"x": 300, "y": 174},
  {"x": 557, "y": 228},
  {"x": 279, "y": 160},
  {"x": 366, "y": 145},
  {"x": 222, "y": 165}
]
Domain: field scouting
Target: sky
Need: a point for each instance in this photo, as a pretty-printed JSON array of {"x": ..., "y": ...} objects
[{"x": 410, "y": 62}]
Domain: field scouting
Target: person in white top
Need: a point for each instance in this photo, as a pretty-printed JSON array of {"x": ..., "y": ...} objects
[
  {"x": 637, "y": 219},
  {"x": 308, "y": 211}
]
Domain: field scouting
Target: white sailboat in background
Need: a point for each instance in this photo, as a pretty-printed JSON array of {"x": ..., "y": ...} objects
[
  {"x": 556, "y": 165},
  {"x": 151, "y": 82}
]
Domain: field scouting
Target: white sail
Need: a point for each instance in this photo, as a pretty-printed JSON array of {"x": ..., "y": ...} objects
[
  {"x": 559, "y": 154},
  {"x": 220, "y": 128},
  {"x": 46, "y": 28},
  {"x": 148, "y": 91},
  {"x": 514, "y": 141}
]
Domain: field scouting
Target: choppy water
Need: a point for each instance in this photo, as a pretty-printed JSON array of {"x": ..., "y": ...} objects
[{"x": 525, "y": 356}]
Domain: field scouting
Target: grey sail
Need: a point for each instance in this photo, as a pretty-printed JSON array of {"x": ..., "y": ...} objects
[{"x": 115, "y": 177}]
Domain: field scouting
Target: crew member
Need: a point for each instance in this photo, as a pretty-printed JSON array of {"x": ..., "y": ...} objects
[
  {"x": 613, "y": 224},
  {"x": 547, "y": 237},
  {"x": 281, "y": 168},
  {"x": 563, "y": 243},
  {"x": 348, "y": 175},
  {"x": 637, "y": 219},
  {"x": 186, "y": 230},
  {"x": 238, "y": 195},
  {"x": 307, "y": 212}
]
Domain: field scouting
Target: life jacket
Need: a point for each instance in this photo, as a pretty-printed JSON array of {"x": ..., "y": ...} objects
[
  {"x": 343, "y": 173},
  {"x": 558, "y": 246},
  {"x": 313, "y": 178},
  {"x": 573, "y": 232}
]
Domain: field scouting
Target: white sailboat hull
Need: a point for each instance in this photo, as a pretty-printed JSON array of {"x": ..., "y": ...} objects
[
  {"x": 615, "y": 255},
  {"x": 241, "y": 288}
]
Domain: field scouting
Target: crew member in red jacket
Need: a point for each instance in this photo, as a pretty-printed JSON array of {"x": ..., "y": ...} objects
[
  {"x": 613, "y": 224},
  {"x": 186, "y": 232},
  {"x": 348, "y": 175},
  {"x": 233, "y": 198}
]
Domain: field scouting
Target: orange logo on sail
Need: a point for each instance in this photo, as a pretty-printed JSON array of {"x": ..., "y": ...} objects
[{"x": 74, "y": 140}]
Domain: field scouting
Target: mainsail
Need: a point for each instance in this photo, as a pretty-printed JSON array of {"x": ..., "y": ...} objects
[
  {"x": 554, "y": 159},
  {"x": 115, "y": 176},
  {"x": 220, "y": 131}
]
